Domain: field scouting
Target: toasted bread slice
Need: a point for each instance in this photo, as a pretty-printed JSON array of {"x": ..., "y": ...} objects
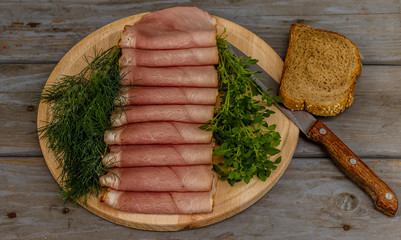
[{"x": 320, "y": 71}]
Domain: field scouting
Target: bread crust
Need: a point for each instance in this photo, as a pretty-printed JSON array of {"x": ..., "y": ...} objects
[{"x": 304, "y": 104}]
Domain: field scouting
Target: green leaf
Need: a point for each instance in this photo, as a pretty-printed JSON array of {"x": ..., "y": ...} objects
[
  {"x": 224, "y": 146},
  {"x": 204, "y": 127},
  {"x": 272, "y": 151},
  {"x": 277, "y": 99},
  {"x": 235, "y": 130},
  {"x": 276, "y": 135},
  {"x": 271, "y": 127},
  {"x": 248, "y": 154},
  {"x": 262, "y": 175}
]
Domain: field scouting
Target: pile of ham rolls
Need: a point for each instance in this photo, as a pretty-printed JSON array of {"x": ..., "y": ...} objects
[{"x": 161, "y": 161}]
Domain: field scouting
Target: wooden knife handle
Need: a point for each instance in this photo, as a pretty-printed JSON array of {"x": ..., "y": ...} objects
[{"x": 384, "y": 198}]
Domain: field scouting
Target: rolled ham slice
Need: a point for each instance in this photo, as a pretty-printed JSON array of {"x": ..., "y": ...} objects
[
  {"x": 197, "y": 178},
  {"x": 158, "y": 133},
  {"x": 169, "y": 95},
  {"x": 169, "y": 58},
  {"x": 161, "y": 113},
  {"x": 171, "y": 28},
  {"x": 160, "y": 202},
  {"x": 158, "y": 155},
  {"x": 191, "y": 76}
]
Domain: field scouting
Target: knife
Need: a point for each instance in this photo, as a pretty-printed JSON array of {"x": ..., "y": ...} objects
[{"x": 349, "y": 163}]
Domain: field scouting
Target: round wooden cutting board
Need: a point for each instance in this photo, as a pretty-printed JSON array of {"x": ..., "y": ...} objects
[{"x": 228, "y": 200}]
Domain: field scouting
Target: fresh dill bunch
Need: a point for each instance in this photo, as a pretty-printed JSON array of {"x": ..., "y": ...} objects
[
  {"x": 80, "y": 108},
  {"x": 246, "y": 140}
]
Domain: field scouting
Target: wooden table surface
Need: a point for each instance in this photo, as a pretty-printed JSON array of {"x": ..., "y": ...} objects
[{"x": 312, "y": 200}]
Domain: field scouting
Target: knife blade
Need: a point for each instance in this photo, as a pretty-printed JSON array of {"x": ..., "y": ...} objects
[{"x": 349, "y": 163}]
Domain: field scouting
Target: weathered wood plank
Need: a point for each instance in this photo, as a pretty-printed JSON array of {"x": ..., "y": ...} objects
[
  {"x": 18, "y": 124},
  {"x": 375, "y": 108},
  {"x": 256, "y": 7},
  {"x": 377, "y": 41},
  {"x": 313, "y": 200},
  {"x": 51, "y": 29},
  {"x": 24, "y": 78},
  {"x": 21, "y": 86}
]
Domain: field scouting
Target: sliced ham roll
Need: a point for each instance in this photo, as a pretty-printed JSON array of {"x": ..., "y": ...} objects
[
  {"x": 158, "y": 133},
  {"x": 162, "y": 113},
  {"x": 172, "y": 28},
  {"x": 160, "y": 202},
  {"x": 191, "y": 76},
  {"x": 161, "y": 160},
  {"x": 158, "y": 155},
  {"x": 169, "y": 58},
  {"x": 169, "y": 95},
  {"x": 196, "y": 178}
]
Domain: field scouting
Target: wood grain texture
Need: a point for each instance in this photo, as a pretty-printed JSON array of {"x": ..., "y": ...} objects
[
  {"x": 312, "y": 200},
  {"x": 228, "y": 200},
  {"x": 18, "y": 112},
  {"x": 24, "y": 78},
  {"x": 52, "y": 28}
]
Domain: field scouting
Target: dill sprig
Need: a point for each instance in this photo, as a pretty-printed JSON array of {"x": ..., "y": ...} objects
[
  {"x": 80, "y": 108},
  {"x": 246, "y": 140}
]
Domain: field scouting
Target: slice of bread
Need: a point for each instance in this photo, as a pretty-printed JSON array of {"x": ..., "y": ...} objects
[{"x": 320, "y": 71}]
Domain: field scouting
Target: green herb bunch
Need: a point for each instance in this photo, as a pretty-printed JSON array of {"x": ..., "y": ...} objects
[
  {"x": 80, "y": 108},
  {"x": 246, "y": 140}
]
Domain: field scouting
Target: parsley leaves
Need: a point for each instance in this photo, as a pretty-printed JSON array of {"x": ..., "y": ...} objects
[{"x": 246, "y": 140}]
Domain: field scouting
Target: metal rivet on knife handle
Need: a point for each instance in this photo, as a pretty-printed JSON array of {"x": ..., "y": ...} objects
[
  {"x": 352, "y": 161},
  {"x": 322, "y": 131},
  {"x": 389, "y": 196}
]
